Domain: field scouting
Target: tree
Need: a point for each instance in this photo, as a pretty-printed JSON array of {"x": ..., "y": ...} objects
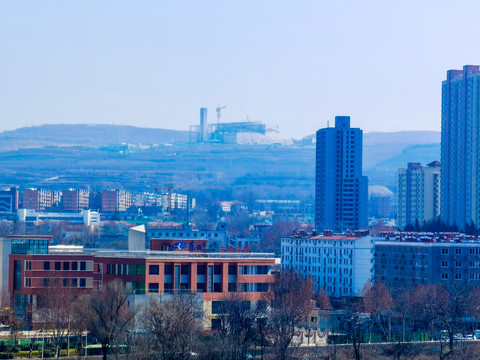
[
  {"x": 106, "y": 315},
  {"x": 291, "y": 305},
  {"x": 378, "y": 302},
  {"x": 238, "y": 322},
  {"x": 175, "y": 324},
  {"x": 56, "y": 312}
]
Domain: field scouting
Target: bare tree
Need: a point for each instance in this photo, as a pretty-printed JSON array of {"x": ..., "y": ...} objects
[
  {"x": 175, "y": 324},
  {"x": 106, "y": 315},
  {"x": 378, "y": 302},
  {"x": 55, "y": 311},
  {"x": 291, "y": 305},
  {"x": 238, "y": 321}
]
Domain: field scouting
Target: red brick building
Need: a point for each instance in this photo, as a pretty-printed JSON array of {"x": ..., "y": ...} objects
[
  {"x": 212, "y": 276},
  {"x": 75, "y": 200}
]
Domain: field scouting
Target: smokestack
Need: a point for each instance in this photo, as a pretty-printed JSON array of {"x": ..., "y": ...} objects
[{"x": 203, "y": 124}]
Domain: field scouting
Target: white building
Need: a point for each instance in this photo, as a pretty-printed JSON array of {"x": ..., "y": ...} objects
[
  {"x": 341, "y": 264},
  {"x": 86, "y": 217},
  {"x": 418, "y": 194}
]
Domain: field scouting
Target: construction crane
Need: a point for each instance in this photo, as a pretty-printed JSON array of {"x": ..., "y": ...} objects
[{"x": 219, "y": 110}]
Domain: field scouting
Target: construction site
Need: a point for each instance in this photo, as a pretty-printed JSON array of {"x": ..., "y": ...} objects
[{"x": 241, "y": 132}]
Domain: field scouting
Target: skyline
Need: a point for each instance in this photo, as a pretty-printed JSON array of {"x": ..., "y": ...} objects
[{"x": 155, "y": 64}]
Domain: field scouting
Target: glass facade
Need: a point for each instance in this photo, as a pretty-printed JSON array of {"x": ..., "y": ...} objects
[{"x": 29, "y": 246}]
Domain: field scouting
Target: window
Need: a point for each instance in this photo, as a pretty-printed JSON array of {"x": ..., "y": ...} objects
[
  {"x": 153, "y": 287},
  {"x": 154, "y": 270},
  {"x": 445, "y": 276},
  {"x": 83, "y": 266},
  {"x": 46, "y": 265},
  {"x": 444, "y": 263},
  {"x": 65, "y": 282},
  {"x": 58, "y": 265},
  {"x": 74, "y": 282},
  {"x": 46, "y": 282},
  {"x": 232, "y": 269},
  {"x": 458, "y": 264},
  {"x": 201, "y": 269},
  {"x": 74, "y": 266},
  {"x": 217, "y": 269},
  {"x": 232, "y": 287},
  {"x": 185, "y": 269},
  {"x": 458, "y": 276},
  {"x": 168, "y": 269},
  {"x": 262, "y": 270},
  {"x": 66, "y": 265},
  {"x": 444, "y": 251},
  {"x": 168, "y": 287},
  {"x": 83, "y": 282},
  {"x": 458, "y": 251}
]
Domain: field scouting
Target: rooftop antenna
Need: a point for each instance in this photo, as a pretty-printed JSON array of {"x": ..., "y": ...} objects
[{"x": 219, "y": 111}]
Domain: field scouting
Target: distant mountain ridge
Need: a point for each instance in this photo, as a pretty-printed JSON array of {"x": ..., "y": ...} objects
[{"x": 86, "y": 135}]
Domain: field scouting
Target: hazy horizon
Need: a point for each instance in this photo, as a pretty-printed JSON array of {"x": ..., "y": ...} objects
[{"x": 154, "y": 64}]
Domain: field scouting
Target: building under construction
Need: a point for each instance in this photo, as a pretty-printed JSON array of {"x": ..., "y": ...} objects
[{"x": 244, "y": 132}]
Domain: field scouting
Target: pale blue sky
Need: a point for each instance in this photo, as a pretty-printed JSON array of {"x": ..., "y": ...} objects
[{"x": 292, "y": 63}]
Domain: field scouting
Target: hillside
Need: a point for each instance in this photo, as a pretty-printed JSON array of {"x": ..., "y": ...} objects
[{"x": 86, "y": 135}]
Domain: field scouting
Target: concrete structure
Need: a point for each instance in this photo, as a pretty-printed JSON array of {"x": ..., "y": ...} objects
[
  {"x": 210, "y": 276},
  {"x": 341, "y": 264},
  {"x": 9, "y": 200},
  {"x": 460, "y": 198},
  {"x": 405, "y": 260},
  {"x": 341, "y": 192},
  {"x": 86, "y": 217},
  {"x": 203, "y": 135},
  {"x": 75, "y": 200},
  {"x": 418, "y": 194},
  {"x": 136, "y": 238}
]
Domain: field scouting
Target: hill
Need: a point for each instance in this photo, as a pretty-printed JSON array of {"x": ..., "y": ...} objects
[{"x": 86, "y": 135}]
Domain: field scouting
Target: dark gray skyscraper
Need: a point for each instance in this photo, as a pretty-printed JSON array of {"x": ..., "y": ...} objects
[
  {"x": 460, "y": 193},
  {"x": 341, "y": 192}
]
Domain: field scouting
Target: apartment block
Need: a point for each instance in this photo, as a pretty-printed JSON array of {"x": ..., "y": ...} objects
[
  {"x": 406, "y": 260},
  {"x": 341, "y": 192},
  {"x": 116, "y": 200},
  {"x": 460, "y": 198},
  {"x": 418, "y": 194},
  {"x": 75, "y": 200},
  {"x": 341, "y": 264}
]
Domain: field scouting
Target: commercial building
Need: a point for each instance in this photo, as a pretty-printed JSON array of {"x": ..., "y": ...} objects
[
  {"x": 85, "y": 217},
  {"x": 216, "y": 239},
  {"x": 341, "y": 192},
  {"x": 75, "y": 200},
  {"x": 9, "y": 200},
  {"x": 460, "y": 195},
  {"x": 210, "y": 276},
  {"x": 406, "y": 260},
  {"x": 418, "y": 194},
  {"x": 341, "y": 264}
]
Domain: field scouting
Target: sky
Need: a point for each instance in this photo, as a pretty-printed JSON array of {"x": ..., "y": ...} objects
[{"x": 295, "y": 64}]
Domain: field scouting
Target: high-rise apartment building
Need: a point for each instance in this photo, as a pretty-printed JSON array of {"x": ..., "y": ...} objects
[
  {"x": 75, "y": 200},
  {"x": 418, "y": 194},
  {"x": 37, "y": 199},
  {"x": 341, "y": 192},
  {"x": 116, "y": 200},
  {"x": 460, "y": 196}
]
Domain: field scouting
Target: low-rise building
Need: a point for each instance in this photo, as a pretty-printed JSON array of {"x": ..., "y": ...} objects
[
  {"x": 85, "y": 217},
  {"x": 209, "y": 276},
  {"x": 341, "y": 264},
  {"x": 406, "y": 260}
]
